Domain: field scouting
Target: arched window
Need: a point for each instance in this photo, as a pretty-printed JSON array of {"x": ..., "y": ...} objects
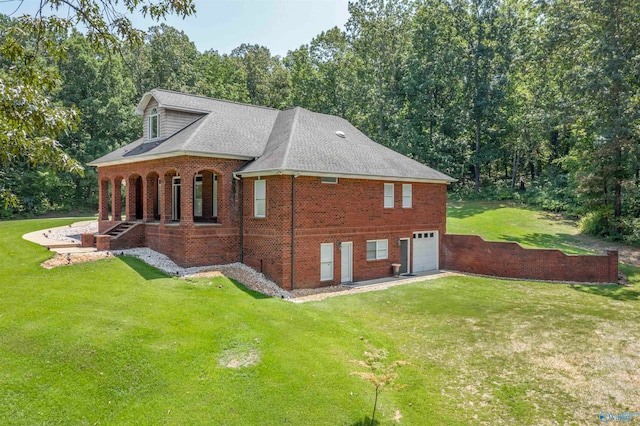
[{"x": 154, "y": 124}]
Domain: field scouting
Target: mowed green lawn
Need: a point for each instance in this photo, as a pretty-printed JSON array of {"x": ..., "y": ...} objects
[
  {"x": 116, "y": 342},
  {"x": 506, "y": 222}
]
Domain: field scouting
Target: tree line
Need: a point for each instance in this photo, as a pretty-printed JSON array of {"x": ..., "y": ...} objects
[{"x": 527, "y": 100}]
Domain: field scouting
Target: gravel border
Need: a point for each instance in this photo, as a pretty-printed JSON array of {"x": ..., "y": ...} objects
[
  {"x": 249, "y": 277},
  {"x": 72, "y": 233}
]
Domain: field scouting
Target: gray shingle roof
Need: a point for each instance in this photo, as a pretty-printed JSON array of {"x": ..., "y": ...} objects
[
  {"x": 307, "y": 142},
  {"x": 291, "y": 141}
]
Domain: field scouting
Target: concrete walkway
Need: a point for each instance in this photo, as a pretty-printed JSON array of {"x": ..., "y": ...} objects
[
  {"x": 375, "y": 285},
  {"x": 41, "y": 237}
]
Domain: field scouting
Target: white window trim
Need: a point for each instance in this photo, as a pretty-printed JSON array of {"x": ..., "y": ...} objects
[
  {"x": 389, "y": 199},
  {"x": 407, "y": 196},
  {"x": 326, "y": 262},
  {"x": 259, "y": 201},
  {"x": 154, "y": 114},
  {"x": 378, "y": 249}
]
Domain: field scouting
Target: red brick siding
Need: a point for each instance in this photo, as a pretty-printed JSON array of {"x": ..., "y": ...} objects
[
  {"x": 103, "y": 242},
  {"x": 353, "y": 210},
  {"x": 132, "y": 237},
  {"x": 470, "y": 253},
  {"x": 267, "y": 241}
]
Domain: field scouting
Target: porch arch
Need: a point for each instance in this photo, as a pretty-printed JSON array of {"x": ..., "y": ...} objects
[
  {"x": 134, "y": 200},
  {"x": 206, "y": 196},
  {"x": 152, "y": 197},
  {"x": 116, "y": 198}
]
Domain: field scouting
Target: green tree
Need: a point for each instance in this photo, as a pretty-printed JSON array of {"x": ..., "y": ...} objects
[
  {"x": 100, "y": 88},
  {"x": 30, "y": 123}
]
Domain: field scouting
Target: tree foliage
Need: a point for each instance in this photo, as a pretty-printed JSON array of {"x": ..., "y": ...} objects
[{"x": 533, "y": 100}]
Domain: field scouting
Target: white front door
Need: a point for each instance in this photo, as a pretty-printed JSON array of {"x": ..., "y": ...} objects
[
  {"x": 346, "y": 262},
  {"x": 425, "y": 251}
]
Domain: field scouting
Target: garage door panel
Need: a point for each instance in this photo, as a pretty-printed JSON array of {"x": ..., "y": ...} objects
[{"x": 425, "y": 251}]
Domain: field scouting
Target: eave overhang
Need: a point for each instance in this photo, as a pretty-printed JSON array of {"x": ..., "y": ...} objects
[
  {"x": 277, "y": 172},
  {"x": 141, "y": 158}
]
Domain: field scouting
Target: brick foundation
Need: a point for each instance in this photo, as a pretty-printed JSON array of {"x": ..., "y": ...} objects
[{"x": 470, "y": 253}]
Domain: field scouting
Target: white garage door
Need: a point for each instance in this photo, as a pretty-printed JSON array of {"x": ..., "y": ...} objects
[{"x": 425, "y": 251}]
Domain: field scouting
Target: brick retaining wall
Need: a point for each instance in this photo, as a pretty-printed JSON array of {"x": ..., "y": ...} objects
[{"x": 470, "y": 253}]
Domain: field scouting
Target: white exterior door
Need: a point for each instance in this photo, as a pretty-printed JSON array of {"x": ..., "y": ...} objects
[
  {"x": 425, "y": 251},
  {"x": 346, "y": 262}
]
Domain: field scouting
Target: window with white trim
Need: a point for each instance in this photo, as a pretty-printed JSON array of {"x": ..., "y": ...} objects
[
  {"x": 407, "y": 198},
  {"x": 377, "y": 249},
  {"x": 326, "y": 262},
  {"x": 259, "y": 198},
  {"x": 328, "y": 179},
  {"x": 154, "y": 124},
  {"x": 388, "y": 195}
]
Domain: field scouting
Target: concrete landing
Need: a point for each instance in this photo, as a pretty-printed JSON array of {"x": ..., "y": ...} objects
[{"x": 41, "y": 237}]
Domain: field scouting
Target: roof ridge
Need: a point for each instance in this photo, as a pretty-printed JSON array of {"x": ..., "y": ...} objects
[
  {"x": 291, "y": 132},
  {"x": 215, "y": 99}
]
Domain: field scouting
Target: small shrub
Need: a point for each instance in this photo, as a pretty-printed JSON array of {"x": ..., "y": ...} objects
[{"x": 379, "y": 373}]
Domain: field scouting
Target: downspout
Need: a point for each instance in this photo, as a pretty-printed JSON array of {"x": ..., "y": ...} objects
[
  {"x": 241, "y": 197},
  {"x": 293, "y": 230}
]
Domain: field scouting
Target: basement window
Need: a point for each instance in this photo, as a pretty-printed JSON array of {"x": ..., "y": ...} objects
[{"x": 377, "y": 249}]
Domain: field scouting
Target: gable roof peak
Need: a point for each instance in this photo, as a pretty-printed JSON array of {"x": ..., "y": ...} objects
[{"x": 181, "y": 101}]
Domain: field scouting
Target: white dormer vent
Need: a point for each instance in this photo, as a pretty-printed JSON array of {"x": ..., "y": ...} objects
[{"x": 340, "y": 134}]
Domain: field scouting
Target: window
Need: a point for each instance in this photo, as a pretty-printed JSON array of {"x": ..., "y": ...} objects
[
  {"x": 326, "y": 179},
  {"x": 214, "y": 207},
  {"x": 377, "y": 249},
  {"x": 197, "y": 196},
  {"x": 259, "y": 198},
  {"x": 153, "y": 124},
  {"x": 388, "y": 195},
  {"x": 326, "y": 262},
  {"x": 406, "y": 196}
]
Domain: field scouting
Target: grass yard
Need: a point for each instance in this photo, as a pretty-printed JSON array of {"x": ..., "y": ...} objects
[
  {"x": 506, "y": 222},
  {"x": 117, "y": 342}
]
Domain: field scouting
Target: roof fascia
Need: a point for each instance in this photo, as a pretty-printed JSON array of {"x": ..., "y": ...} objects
[
  {"x": 147, "y": 97},
  {"x": 139, "y": 159},
  {"x": 276, "y": 172},
  {"x": 143, "y": 103}
]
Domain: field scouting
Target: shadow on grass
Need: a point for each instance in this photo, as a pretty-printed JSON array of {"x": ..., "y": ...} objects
[
  {"x": 252, "y": 293},
  {"x": 366, "y": 421},
  {"x": 563, "y": 242},
  {"x": 616, "y": 292},
  {"x": 144, "y": 270}
]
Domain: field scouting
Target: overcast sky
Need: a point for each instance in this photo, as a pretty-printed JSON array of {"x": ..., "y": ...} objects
[{"x": 222, "y": 25}]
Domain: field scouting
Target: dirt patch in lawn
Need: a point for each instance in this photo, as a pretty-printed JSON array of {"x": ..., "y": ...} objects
[
  {"x": 626, "y": 254},
  {"x": 74, "y": 258},
  {"x": 239, "y": 357}
]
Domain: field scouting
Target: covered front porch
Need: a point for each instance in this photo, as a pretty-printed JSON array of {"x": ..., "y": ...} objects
[{"x": 171, "y": 197}]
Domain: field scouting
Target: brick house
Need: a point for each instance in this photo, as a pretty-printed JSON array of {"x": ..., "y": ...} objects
[{"x": 304, "y": 197}]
